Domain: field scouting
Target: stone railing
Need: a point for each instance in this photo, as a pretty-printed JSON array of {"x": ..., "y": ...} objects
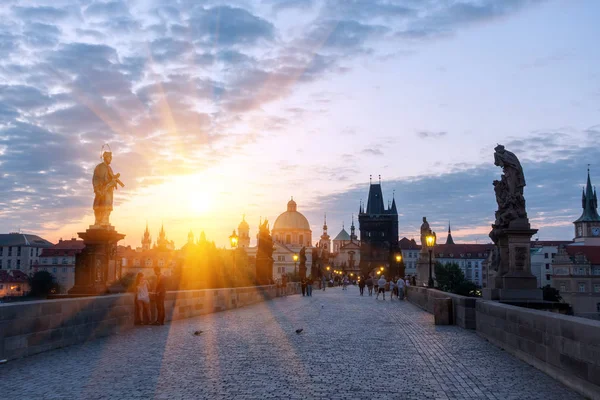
[
  {"x": 33, "y": 327},
  {"x": 565, "y": 347},
  {"x": 463, "y": 308}
]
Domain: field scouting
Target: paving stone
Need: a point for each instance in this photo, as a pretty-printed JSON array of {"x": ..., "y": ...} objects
[{"x": 351, "y": 347}]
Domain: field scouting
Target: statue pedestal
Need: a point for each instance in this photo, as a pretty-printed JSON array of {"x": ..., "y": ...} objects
[
  {"x": 96, "y": 266},
  {"x": 514, "y": 280},
  {"x": 423, "y": 269}
]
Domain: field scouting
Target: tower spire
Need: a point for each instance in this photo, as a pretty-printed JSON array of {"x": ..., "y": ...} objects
[{"x": 449, "y": 239}]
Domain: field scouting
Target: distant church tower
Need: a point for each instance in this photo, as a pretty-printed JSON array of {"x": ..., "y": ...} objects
[
  {"x": 353, "y": 237},
  {"x": 449, "y": 239},
  {"x": 146, "y": 239},
  {"x": 378, "y": 231},
  {"x": 325, "y": 242},
  {"x": 244, "y": 233},
  {"x": 190, "y": 237},
  {"x": 162, "y": 238},
  {"x": 587, "y": 227}
]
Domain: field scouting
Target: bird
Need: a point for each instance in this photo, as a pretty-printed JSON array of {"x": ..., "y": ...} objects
[
  {"x": 198, "y": 333},
  {"x": 299, "y": 331}
]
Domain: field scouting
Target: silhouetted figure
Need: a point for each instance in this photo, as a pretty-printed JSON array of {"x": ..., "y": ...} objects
[
  {"x": 381, "y": 287},
  {"x": 369, "y": 284},
  {"x": 309, "y": 285},
  {"x": 161, "y": 292},
  {"x": 303, "y": 286},
  {"x": 142, "y": 300},
  {"x": 361, "y": 286}
]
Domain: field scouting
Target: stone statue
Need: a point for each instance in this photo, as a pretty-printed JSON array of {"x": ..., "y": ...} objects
[
  {"x": 425, "y": 230},
  {"x": 104, "y": 182},
  {"x": 264, "y": 255},
  {"x": 302, "y": 257},
  {"x": 509, "y": 192}
]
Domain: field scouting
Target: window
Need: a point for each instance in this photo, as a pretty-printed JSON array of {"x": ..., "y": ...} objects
[
  {"x": 54, "y": 261},
  {"x": 582, "y": 288},
  {"x": 288, "y": 239},
  {"x": 64, "y": 261},
  {"x": 596, "y": 288},
  {"x": 54, "y": 270},
  {"x": 548, "y": 277},
  {"x": 64, "y": 269},
  {"x": 553, "y": 254},
  {"x": 476, "y": 273},
  {"x": 31, "y": 252},
  {"x": 547, "y": 266},
  {"x": 545, "y": 255},
  {"x": 563, "y": 288},
  {"x": 9, "y": 251},
  {"x": 18, "y": 264},
  {"x": 148, "y": 262},
  {"x": 161, "y": 262},
  {"x": 1, "y": 251},
  {"x": 19, "y": 251}
]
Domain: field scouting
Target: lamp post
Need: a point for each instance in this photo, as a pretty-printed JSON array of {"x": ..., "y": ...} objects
[
  {"x": 295, "y": 257},
  {"x": 233, "y": 239},
  {"x": 398, "y": 259},
  {"x": 430, "y": 240}
]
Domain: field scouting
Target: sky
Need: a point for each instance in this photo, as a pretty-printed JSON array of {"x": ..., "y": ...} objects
[{"x": 218, "y": 109}]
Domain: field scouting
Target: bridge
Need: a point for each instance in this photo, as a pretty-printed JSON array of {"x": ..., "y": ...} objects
[{"x": 350, "y": 347}]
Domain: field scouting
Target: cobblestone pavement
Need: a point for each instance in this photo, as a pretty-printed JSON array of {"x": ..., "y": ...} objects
[{"x": 352, "y": 347}]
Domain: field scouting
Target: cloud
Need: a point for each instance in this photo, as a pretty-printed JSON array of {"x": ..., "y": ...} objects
[
  {"x": 372, "y": 152},
  {"x": 429, "y": 134},
  {"x": 169, "y": 81}
]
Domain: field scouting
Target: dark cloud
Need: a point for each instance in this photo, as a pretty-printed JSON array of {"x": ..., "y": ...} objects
[
  {"x": 228, "y": 26},
  {"x": 42, "y": 13},
  {"x": 429, "y": 134},
  {"x": 111, "y": 9},
  {"x": 372, "y": 152}
]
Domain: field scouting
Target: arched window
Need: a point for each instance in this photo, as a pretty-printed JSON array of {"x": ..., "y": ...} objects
[{"x": 288, "y": 239}]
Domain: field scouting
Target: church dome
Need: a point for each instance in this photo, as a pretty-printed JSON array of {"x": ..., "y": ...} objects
[
  {"x": 291, "y": 219},
  {"x": 243, "y": 225}
]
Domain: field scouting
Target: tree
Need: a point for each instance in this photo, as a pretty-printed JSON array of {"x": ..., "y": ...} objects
[
  {"x": 551, "y": 294},
  {"x": 450, "y": 278},
  {"x": 43, "y": 283}
]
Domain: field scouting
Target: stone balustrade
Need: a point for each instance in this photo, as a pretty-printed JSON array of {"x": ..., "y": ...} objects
[
  {"x": 565, "y": 347},
  {"x": 32, "y": 327}
]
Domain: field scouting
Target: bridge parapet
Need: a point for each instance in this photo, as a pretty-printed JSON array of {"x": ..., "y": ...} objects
[
  {"x": 32, "y": 327},
  {"x": 565, "y": 347}
]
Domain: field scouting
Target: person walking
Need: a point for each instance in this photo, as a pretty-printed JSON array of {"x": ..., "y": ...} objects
[
  {"x": 309, "y": 285},
  {"x": 369, "y": 284},
  {"x": 142, "y": 301},
  {"x": 361, "y": 285},
  {"x": 161, "y": 292},
  {"x": 323, "y": 282},
  {"x": 381, "y": 287},
  {"x": 400, "y": 285},
  {"x": 344, "y": 282},
  {"x": 303, "y": 286},
  {"x": 392, "y": 289}
]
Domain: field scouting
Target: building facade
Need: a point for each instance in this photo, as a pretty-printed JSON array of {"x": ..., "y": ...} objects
[
  {"x": 13, "y": 283},
  {"x": 378, "y": 231},
  {"x": 59, "y": 260},
  {"x": 291, "y": 232},
  {"x": 346, "y": 251},
  {"x": 410, "y": 255},
  {"x": 21, "y": 252},
  {"x": 469, "y": 257}
]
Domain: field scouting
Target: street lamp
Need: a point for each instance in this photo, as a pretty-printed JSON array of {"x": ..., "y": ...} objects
[
  {"x": 430, "y": 240},
  {"x": 295, "y": 257},
  {"x": 233, "y": 239},
  {"x": 398, "y": 259}
]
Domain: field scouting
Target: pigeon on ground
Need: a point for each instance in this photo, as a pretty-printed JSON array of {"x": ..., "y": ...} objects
[
  {"x": 298, "y": 331},
  {"x": 198, "y": 333}
]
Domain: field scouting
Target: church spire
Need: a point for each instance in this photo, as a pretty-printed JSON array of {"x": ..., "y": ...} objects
[
  {"x": 449, "y": 240},
  {"x": 352, "y": 230},
  {"x": 589, "y": 203}
]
